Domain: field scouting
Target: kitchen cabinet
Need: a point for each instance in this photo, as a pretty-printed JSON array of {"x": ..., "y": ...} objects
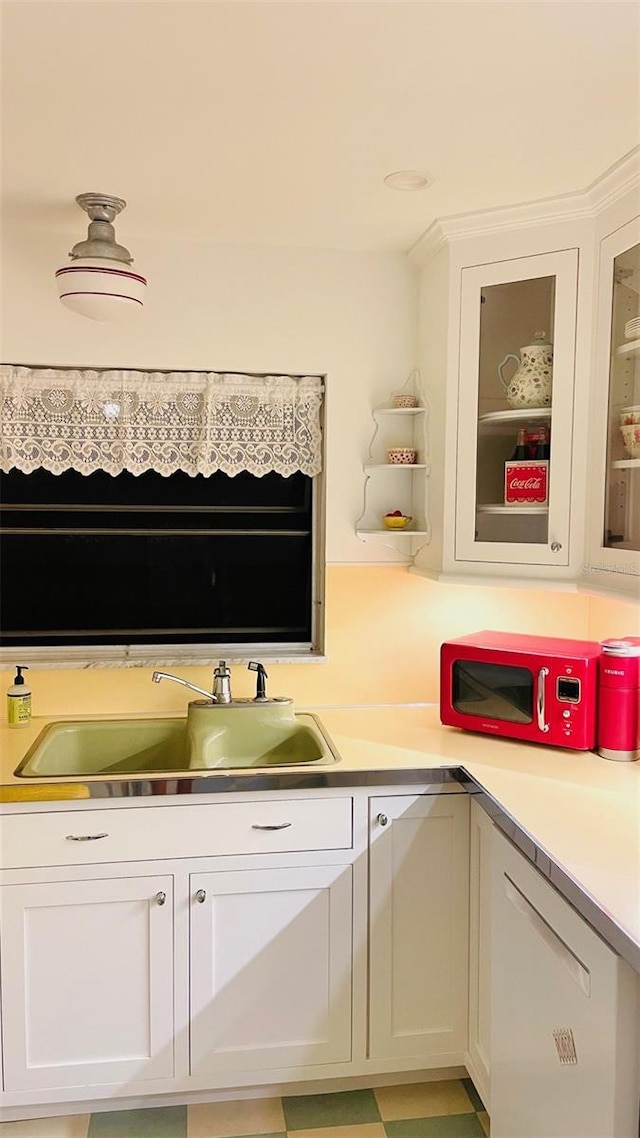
[
  {"x": 503, "y": 306},
  {"x": 564, "y": 1028},
  {"x": 479, "y": 1058},
  {"x": 489, "y": 284},
  {"x": 418, "y": 926},
  {"x": 270, "y": 968},
  {"x": 613, "y": 551},
  {"x": 87, "y": 982},
  {"x": 249, "y": 939},
  {"x": 196, "y": 968},
  {"x": 484, "y": 302}
]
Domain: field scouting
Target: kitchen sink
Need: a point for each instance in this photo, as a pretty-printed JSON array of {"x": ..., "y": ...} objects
[{"x": 211, "y": 737}]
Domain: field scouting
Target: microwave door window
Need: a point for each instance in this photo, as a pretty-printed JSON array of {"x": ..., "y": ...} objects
[{"x": 493, "y": 691}]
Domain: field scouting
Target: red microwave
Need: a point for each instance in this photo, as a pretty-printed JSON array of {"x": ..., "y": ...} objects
[{"x": 538, "y": 689}]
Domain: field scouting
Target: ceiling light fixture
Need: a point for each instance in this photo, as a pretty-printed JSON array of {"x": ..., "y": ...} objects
[
  {"x": 407, "y": 180},
  {"x": 99, "y": 282}
]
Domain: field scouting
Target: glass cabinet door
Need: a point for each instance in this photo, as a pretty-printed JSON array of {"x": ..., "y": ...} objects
[
  {"x": 516, "y": 381},
  {"x": 621, "y": 529}
]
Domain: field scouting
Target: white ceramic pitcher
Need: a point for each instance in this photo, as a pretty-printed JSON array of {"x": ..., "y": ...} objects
[{"x": 530, "y": 386}]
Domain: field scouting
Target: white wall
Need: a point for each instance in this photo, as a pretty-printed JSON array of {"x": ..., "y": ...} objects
[{"x": 349, "y": 315}]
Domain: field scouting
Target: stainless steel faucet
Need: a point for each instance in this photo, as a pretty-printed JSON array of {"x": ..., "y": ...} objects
[{"x": 221, "y": 683}]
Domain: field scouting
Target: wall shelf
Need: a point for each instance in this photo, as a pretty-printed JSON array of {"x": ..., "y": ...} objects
[
  {"x": 390, "y": 486},
  {"x": 396, "y": 466}
]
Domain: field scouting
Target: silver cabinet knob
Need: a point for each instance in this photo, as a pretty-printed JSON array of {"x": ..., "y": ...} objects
[
  {"x": 382, "y": 819},
  {"x": 160, "y": 898},
  {"x": 201, "y": 896},
  {"x": 556, "y": 546}
]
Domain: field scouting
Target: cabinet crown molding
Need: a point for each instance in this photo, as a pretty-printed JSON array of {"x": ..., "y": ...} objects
[{"x": 621, "y": 178}]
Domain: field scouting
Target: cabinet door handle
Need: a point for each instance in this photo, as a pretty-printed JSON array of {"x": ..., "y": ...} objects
[
  {"x": 556, "y": 546},
  {"x": 383, "y": 820},
  {"x": 160, "y": 898},
  {"x": 201, "y": 896},
  {"x": 85, "y": 837},
  {"x": 278, "y": 826}
]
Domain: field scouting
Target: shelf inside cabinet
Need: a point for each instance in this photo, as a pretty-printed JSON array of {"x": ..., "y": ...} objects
[
  {"x": 490, "y": 508},
  {"x": 629, "y": 349},
  {"x": 504, "y": 422},
  {"x": 626, "y": 464}
]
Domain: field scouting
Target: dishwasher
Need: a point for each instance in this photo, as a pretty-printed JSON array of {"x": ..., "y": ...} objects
[{"x": 564, "y": 1015}]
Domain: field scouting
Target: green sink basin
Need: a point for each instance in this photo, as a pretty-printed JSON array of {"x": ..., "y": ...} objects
[{"x": 209, "y": 738}]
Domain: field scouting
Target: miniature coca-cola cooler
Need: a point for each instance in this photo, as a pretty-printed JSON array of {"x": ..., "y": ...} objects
[{"x": 526, "y": 483}]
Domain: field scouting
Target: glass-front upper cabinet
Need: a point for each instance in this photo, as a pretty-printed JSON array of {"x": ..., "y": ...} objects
[
  {"x": 621, "y": 528},
  {"x": 515, "y": 410}
]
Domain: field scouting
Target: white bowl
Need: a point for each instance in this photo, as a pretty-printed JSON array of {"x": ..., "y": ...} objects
[
  {"x": 631, "y": 439},
  {"x": 632, "y": 328},
  {"x": 403, "y": 456}
]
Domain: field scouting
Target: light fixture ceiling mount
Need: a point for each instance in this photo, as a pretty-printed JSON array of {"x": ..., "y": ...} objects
[
  {"x": 407, "y": 180},
  {"x": 99, "y": 282}
]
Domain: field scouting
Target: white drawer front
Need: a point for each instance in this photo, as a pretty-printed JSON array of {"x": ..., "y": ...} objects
[{"x": 266, "y": 826}]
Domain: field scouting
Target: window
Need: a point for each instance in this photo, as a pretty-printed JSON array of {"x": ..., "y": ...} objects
[{"x": 150, "y": 567}]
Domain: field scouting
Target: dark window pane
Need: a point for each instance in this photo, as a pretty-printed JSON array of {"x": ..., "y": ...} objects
[{"x": 151, "y": 560}]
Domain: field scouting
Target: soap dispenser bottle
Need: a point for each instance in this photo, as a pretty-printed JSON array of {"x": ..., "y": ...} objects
[{"x": 19, "y": 700}]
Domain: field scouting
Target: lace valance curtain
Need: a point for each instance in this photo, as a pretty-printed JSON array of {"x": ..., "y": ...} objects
[{"x": 197, "y": 422}]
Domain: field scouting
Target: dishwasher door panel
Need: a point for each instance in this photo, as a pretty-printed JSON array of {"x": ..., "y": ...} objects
[{"x": 564, "y": 1034}]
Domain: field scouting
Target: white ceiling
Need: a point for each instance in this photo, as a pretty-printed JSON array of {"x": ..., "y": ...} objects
[{"x": 275, "y": 123}]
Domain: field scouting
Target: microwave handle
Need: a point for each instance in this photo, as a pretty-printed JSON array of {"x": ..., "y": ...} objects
[{"x": 540, "y": 701}]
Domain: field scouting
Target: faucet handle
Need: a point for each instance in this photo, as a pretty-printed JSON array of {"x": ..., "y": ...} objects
[{"x": 222, "y": 683}]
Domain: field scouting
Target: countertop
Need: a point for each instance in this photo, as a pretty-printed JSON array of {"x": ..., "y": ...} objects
[{"x": 580, "y": 812}]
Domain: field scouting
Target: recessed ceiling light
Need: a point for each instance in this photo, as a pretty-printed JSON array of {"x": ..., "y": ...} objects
[{"x": 407, "y": 180}]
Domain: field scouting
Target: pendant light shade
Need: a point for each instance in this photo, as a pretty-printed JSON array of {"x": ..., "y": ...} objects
[{"x": 99, "y": 281}]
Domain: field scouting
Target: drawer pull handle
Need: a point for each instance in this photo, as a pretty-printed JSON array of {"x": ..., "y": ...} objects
[
  {"x": 383, "y": 820},
  {"x": 278, "y": 826},
  {"x": 85, "y": 837},
  {"x": 160, "y": 898},
  {"x": 201, "y": 896}
]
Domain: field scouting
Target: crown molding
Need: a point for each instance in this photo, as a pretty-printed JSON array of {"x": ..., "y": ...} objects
[{"x": 620, "y": 179}]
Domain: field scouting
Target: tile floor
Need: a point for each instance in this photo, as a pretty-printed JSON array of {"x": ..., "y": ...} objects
[{"x": 450, "y": 1109}]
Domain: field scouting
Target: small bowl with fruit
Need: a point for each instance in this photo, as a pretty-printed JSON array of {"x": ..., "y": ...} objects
[{"x": 395, "y": 519}]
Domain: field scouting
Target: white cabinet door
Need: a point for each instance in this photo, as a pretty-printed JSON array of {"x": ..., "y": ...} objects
[
  {"x": 479, "y": 1059},
  {"x": 270, "y": 968},
  {"x": 503, "y": 307},
  {"x": 613, "y": 553},
  {"x": 87, "y": 982},
  {"x": 419, "y": 909}
]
